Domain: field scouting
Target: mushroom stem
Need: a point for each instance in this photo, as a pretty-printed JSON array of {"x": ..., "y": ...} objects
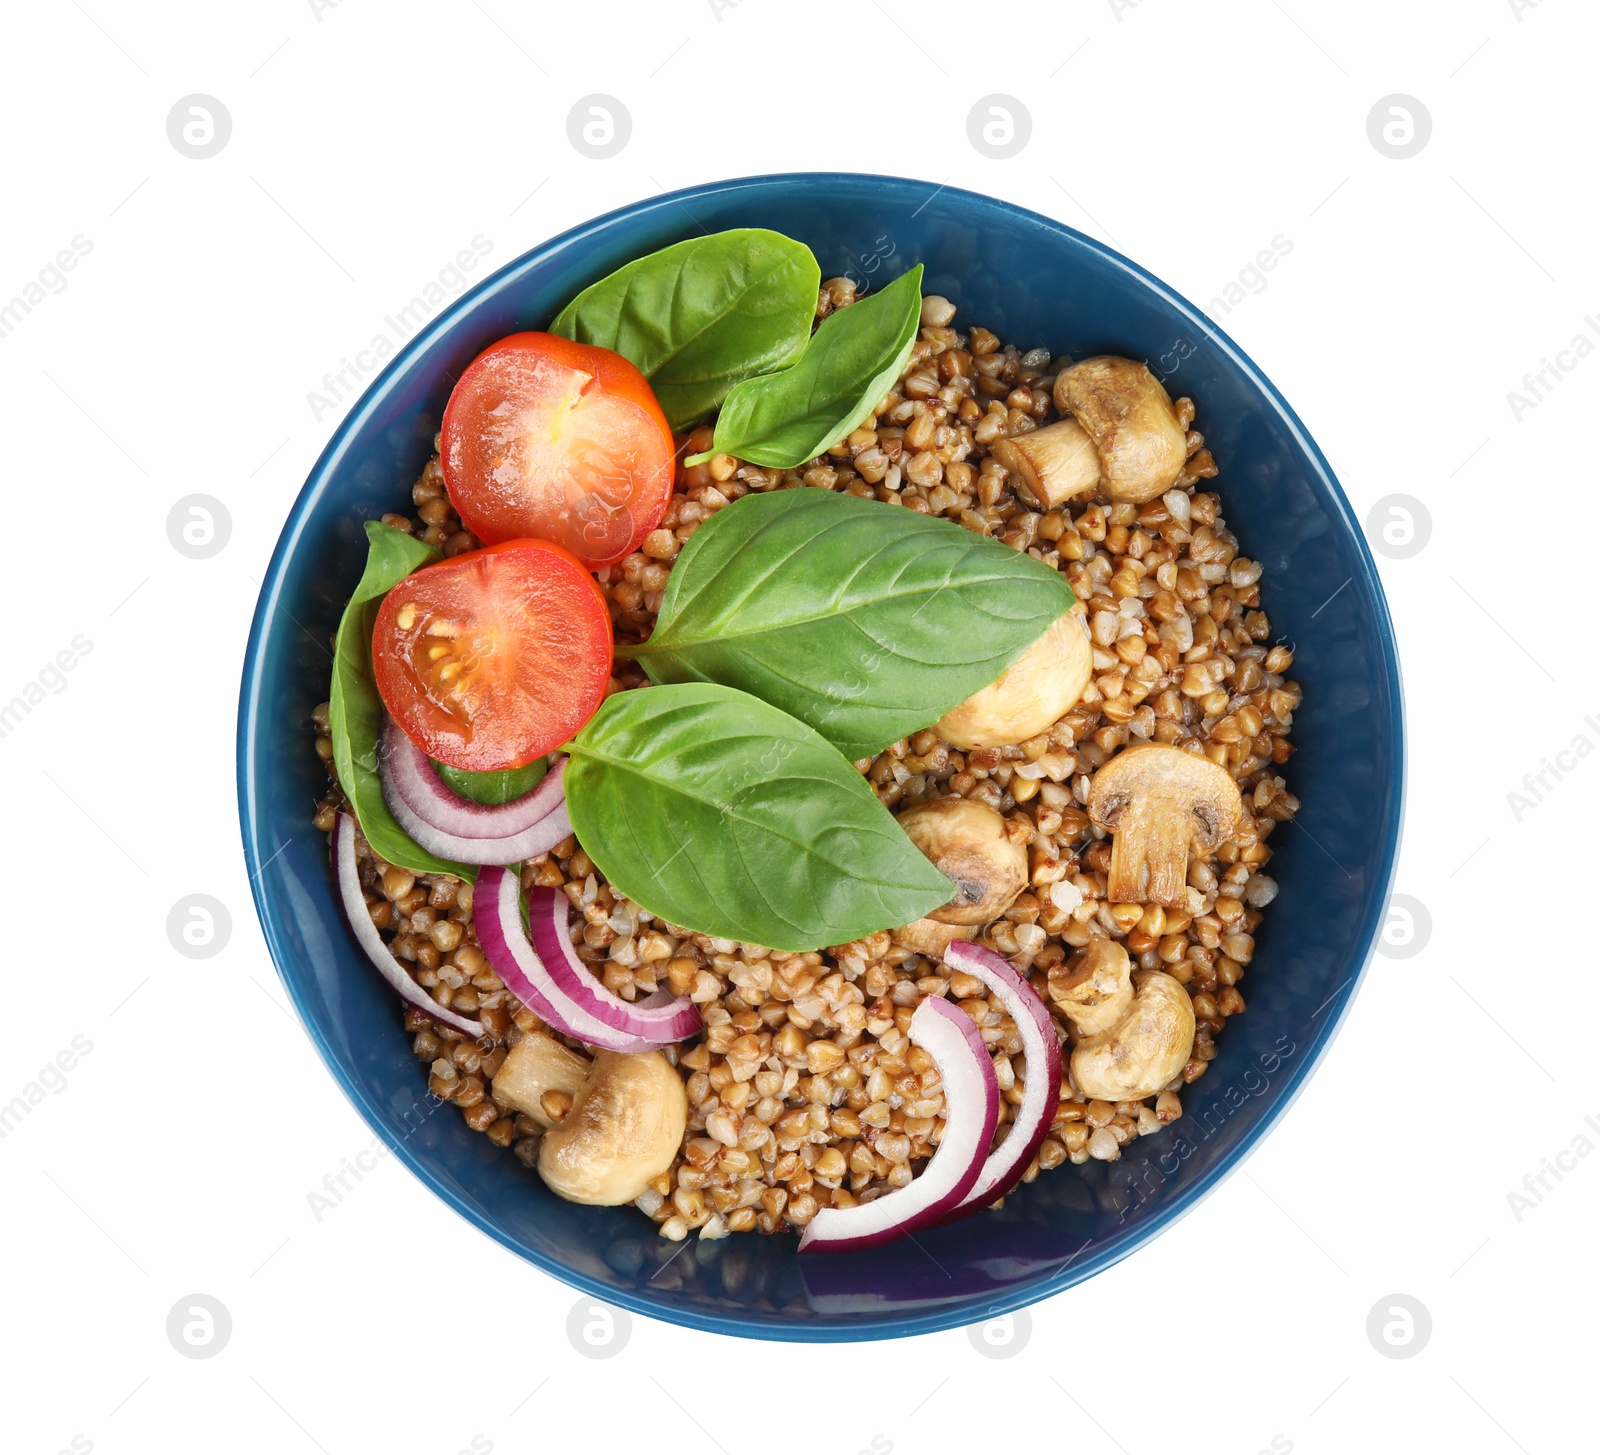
[
  {"x": 929, "y": 937},
  {"x": 1096, "y": 992},
  {"x": 537, "y": 1066},
  {"x": 1158, "y": 800},
  {"x": 1050, "y": 465},
  {"x": 1149, "y": 864}
]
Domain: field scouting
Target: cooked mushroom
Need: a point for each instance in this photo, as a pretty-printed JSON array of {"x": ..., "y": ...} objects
[
  {"x": 1052, "y": 464},
  {"x": 1131, "y": 1039},
  {"x": 625, "y": 1128},
  {"x": 1156, "y": 801},
  {"x": 975, "y": 848},
  {"x": 929, "y": 937},
  {"x": 540, "y": 1078},
  {"x": 1128, "y": 415},
  {"x": 1094, "y": 992},
  {"x": 1030, "y": 696},
  {"x": 1144, "y": 1050}
]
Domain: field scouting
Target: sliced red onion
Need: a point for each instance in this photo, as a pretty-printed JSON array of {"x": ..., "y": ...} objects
[
  {"x": 1041, "y": 1088},
  {"x": 453, "y": 827},
  {"x": 971, "y": 1109},
  {"x": 355, "y": 908},
  {"x": 548, "y": 976},
  {"x": 671, "y": 1017}
]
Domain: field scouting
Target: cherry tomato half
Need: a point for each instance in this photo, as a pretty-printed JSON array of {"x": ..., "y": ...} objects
[
  {"x": 494, "y": 656},
  {"x": 560, "y": 441}
]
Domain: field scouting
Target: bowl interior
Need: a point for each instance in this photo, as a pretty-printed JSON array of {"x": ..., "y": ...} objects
[{"x": 1034, "y": 282}]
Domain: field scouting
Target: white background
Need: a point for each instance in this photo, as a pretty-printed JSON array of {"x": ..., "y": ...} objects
[{"x": 370, "y": 143}]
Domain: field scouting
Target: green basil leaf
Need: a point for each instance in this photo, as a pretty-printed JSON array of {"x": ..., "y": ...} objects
[
  {"x": 851, "y": 363},
  {"x": 717, "y": 812},
  {"x": 355, "y": 711},
  {"x": 699, "y": 316},
  {"x": 493, "y": 789},
  {"x": 865, "y": 620}
]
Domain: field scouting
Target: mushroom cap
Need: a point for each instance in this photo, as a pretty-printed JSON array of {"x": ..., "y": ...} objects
[
  {"x": 970, "y": 843},
  {"x": 1130, "y": 418},
  {"x": 625, "y": 1127},
  {"x": 1157, "y": 800},
  {"x": 1145, "y": 1050},
  {"x": 1095, "y": 991},
  {"x": 1034, "y": 693}
]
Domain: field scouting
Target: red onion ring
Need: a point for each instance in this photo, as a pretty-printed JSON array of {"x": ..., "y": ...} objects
[
  {"x": 674, "y": 1017},
  {"x": 453, "y": 827},
  {"x": 971, "y": 1110},
  {"x": 548, "y": 976},
  {"x": 1041, "y": 1091},
  {"x": 355, "y": 908}
]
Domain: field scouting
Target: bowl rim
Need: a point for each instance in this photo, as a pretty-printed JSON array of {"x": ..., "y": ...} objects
[{"x": 867, "y": 1326}]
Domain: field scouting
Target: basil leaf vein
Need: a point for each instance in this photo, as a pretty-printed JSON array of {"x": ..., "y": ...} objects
[
  {"x": 864, "y": 620},
  {"x": 851, "y": 363},
  {"x": 716, "y": 811},
  {"x": 698, "y": 317},
  {"x": 355, "y": 711}
]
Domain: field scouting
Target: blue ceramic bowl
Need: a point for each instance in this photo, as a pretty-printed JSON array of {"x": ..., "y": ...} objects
[{"x": 1034, "y": 282}]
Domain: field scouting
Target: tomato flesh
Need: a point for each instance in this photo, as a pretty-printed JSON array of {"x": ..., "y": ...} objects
[
  {"x": 493, "y": 657},
  {"x": 557, "y": 440}
]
